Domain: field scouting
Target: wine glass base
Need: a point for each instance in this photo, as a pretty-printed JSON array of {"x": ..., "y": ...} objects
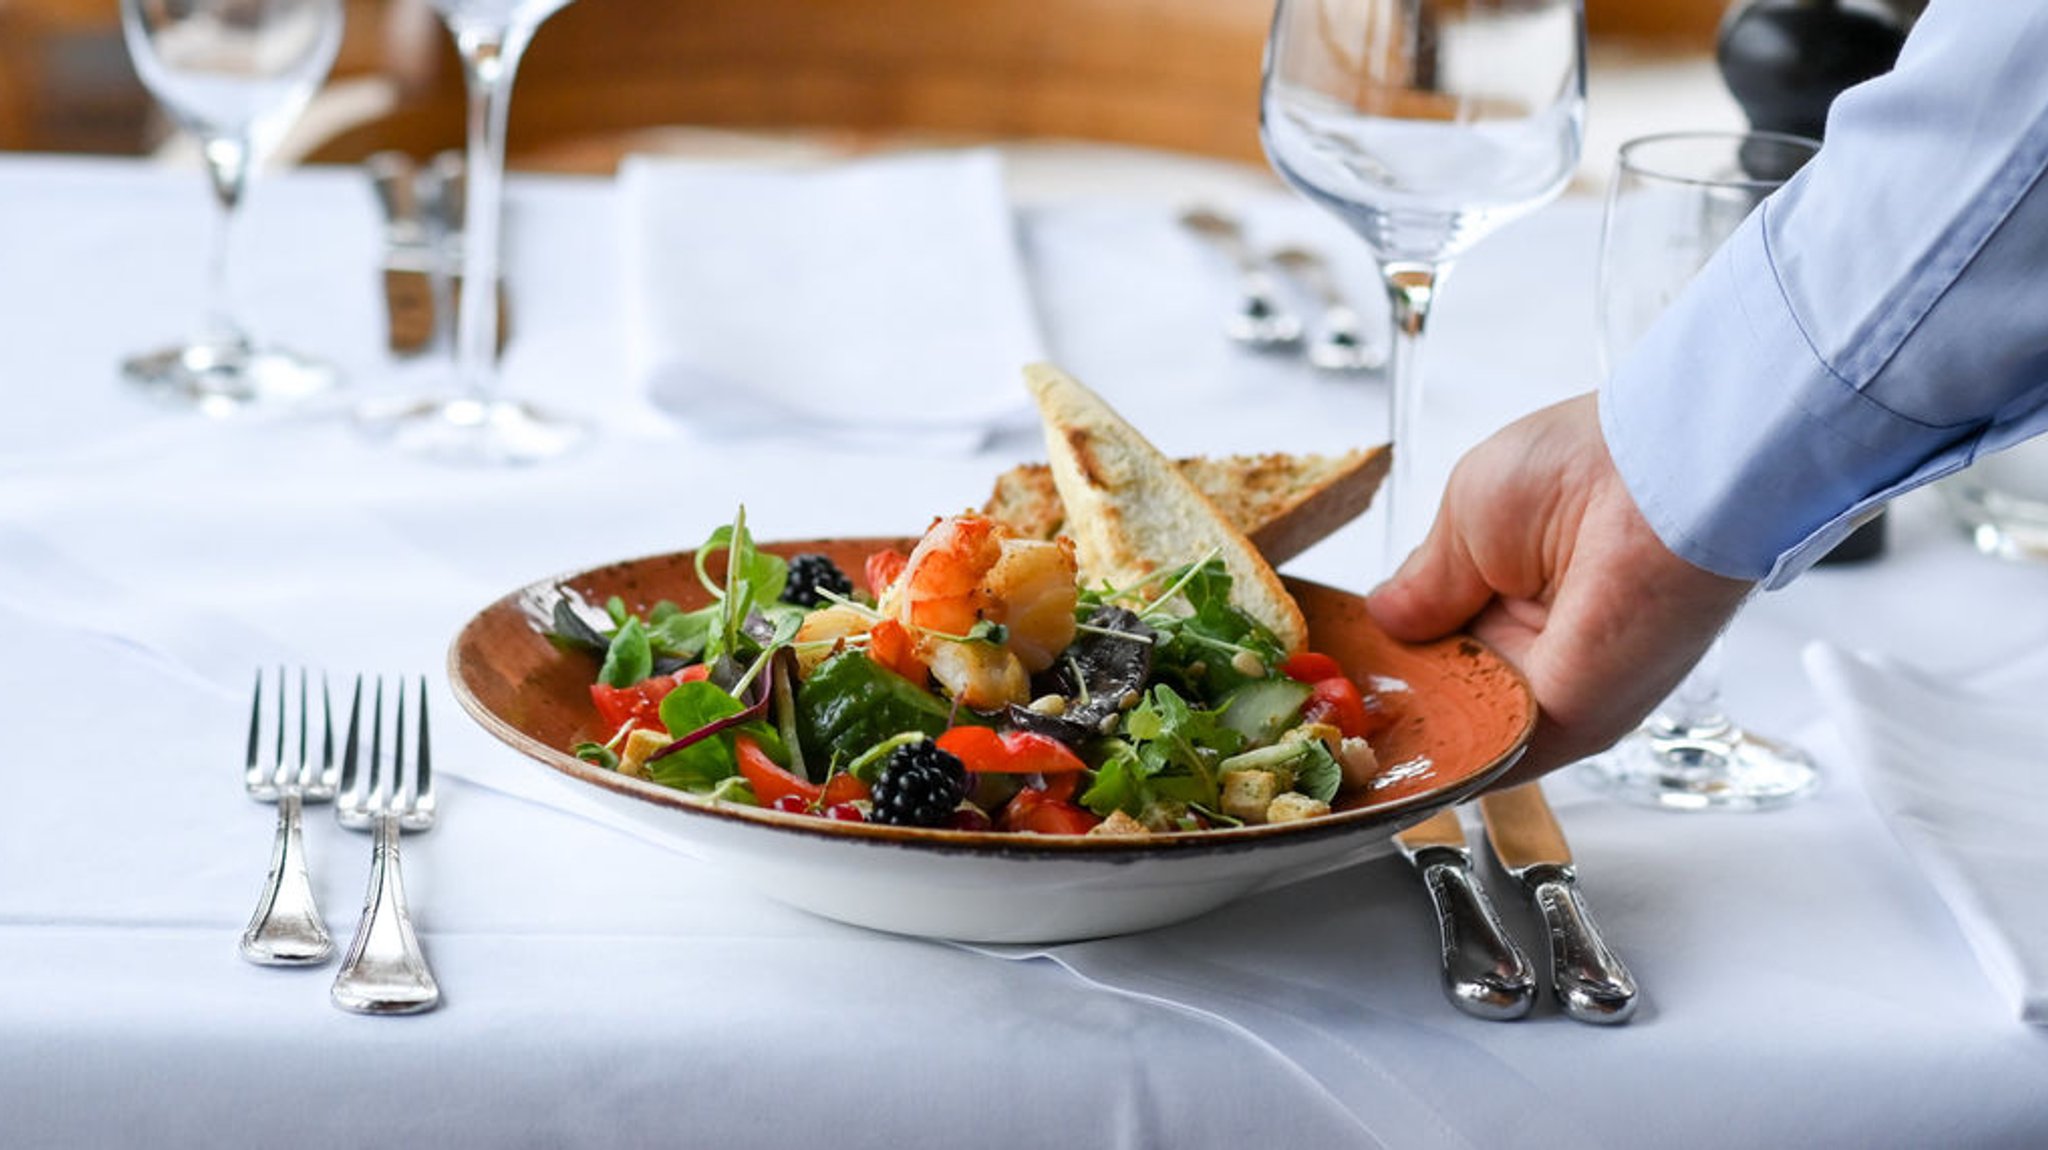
[
  {"x": 1728, "y": 770},
  {"x": 471, "y": 431},
  {"x": 220, "y": 380}
]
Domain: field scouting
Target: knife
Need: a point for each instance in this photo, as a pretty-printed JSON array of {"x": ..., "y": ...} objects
[
  {"x": 1591, "y": 983},
  {"x": 410, "y": 260},
  {"x": 1485, "y": 974}
]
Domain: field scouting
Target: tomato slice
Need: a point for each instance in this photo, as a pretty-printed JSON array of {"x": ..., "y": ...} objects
[
  {"x": 983, "y": 751},
  {"x": 769, "y": 779},
  {"x": 1032, "y": 811},
  {"x": 1310, "y": 667},
  {"x": 1041, "y": 754},
  {"x": 979, "y": 749},
  {"x": 842, "y": 788}
]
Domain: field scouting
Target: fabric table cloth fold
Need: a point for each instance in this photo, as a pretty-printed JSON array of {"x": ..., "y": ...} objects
[{"x": 1961, "y": 776}]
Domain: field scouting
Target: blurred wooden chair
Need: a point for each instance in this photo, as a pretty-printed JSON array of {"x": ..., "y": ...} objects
[{"x": 1180, "y": 75}]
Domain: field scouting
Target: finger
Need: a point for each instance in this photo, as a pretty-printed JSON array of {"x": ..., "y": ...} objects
[{"x": 1437, "y": 590}]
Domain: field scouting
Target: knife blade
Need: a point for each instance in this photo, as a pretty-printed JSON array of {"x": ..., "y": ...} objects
[
  {"x": 1591, "y": 983},
  {"x": 410, "y": 260},
  {"x": 1484, "y": 973}
]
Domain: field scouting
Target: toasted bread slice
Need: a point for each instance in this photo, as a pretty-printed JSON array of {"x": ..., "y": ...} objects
[
  {"x": 1131, "y": 512},
  {"x": 1283, "y": 503}
]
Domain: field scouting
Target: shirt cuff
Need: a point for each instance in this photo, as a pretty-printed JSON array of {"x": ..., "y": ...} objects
[{"x": 1746, "y": 454}]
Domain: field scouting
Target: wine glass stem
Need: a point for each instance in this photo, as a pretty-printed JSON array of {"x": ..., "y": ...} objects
[
  {"x": 490, "y": 59},
  {"x": 1411, "y": 289},
  {"x": 1693, "y": 711},
  {"x": 227, "y": 169}
]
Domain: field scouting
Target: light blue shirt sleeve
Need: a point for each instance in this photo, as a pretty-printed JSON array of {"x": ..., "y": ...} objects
[{"x": 1875, "y": 325}]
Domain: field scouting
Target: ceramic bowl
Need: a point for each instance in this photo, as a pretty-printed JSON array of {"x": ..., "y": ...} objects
[{"x": 1463, "y": 720}]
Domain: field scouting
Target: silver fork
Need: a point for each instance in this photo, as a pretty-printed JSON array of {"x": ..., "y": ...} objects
[
  {"x": 286, "y": 929},
  {"x": 385, "y": 973}
]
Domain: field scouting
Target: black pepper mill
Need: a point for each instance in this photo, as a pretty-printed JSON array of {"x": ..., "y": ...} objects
[{"x": 1785, "y": 61}]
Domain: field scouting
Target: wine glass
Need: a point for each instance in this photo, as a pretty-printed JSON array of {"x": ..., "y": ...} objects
[
  {"x": 1424, "y": 125},
  {"x": 236, "y": 74},
  {"x": 1675, "y": 197},
  {"x": 477, "y": 425}
]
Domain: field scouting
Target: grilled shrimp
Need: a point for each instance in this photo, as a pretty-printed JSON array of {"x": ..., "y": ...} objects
[
  {"x": 941, "y": 585},
  {"x": 1033, "y": 584},
  {"x": 968, "y": 569}
]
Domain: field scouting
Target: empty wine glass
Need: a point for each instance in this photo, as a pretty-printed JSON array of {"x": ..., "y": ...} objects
[
  {"x": 1424, "y": 125},
  {"x": 1674, "y": 199},
  {"x": 235, "y": 74},
  {"x": 477, "y": 425}
]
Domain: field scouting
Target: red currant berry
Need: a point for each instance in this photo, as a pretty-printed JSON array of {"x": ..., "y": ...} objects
[
  {"x": 794, "y": 804},
  {"x": 845, "y": 813}
]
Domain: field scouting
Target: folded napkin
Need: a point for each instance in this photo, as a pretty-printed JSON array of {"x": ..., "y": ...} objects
[
  {"x": 1961, "y": 776},
  {"x": 878, "y": 301}
]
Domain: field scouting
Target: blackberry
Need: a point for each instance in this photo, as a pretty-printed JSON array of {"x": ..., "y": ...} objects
[
  {"x": 919, "y": 786},
  {"x": 810, "y": 574}
]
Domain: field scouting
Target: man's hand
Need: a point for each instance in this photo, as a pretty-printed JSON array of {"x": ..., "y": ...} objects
[{"x": 1539, "y": 551}]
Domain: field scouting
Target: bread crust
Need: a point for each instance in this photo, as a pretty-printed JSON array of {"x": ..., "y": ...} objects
[
  {"x": 1131, "y": 511},
  {"x": 1283, "y": 502}
]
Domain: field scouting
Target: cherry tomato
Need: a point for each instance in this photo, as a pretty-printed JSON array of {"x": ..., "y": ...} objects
[
  {"x": 642, "y": 700},
  {"x": 770, "y": 780},
  {"x": 1339, "y": 703},
  {"x": 1033, "y": 812},
  {"x": 1309, "y": 667}
]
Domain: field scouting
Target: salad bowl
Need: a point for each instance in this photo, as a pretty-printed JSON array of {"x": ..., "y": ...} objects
[{"x": 1463, "y": 717}]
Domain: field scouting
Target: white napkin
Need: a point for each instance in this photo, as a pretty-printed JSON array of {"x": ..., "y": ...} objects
[
  {"x": 1961, "y": 776},
  {"x": 878, "y": 301}
]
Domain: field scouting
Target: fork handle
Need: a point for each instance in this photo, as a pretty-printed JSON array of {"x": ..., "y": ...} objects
[
  {"x": 286, "y": 929},
  {"x": 385, "y": 973}
]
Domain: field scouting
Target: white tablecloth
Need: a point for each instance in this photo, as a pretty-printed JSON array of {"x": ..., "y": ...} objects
[{"x": 1804, "y": 984}]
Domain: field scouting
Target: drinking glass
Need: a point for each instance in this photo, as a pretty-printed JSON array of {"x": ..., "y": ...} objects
[
  {"x": 1675, "y": 197},
  {"x": 1423, "y": 125},
  {"x": 477, "y": 425},
  {"x": 235, "y": 74}
]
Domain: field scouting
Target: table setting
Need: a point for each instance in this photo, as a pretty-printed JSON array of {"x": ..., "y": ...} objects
[{"x": 299, "y": 843}]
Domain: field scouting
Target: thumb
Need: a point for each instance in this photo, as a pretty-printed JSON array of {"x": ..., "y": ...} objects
[{"x": 1437, "y": 590}]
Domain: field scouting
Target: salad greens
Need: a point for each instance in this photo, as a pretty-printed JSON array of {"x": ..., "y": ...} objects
[{"x": 1165, "y": 700}]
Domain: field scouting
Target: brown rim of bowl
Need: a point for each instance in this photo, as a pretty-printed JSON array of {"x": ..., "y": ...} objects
[{"x": 994, "y": 843}]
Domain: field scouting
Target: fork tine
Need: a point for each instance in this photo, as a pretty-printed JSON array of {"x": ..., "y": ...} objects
[
  {"x": 277, "y": 768},
  {"x": 399, "y": 781},
  {"x": 325, "y": 783},
  {"x": 373, "y": 789},
  {"x": 423, "y": 789},
  {"x": 351, "y": 746},
  {"x": 250, "y": 777},
  {"x": 306, "y": 765}
]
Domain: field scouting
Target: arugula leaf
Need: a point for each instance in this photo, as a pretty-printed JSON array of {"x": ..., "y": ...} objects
[
  {"x": 628, "y": 659},
  {"x": 1171, "y": 756}
]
